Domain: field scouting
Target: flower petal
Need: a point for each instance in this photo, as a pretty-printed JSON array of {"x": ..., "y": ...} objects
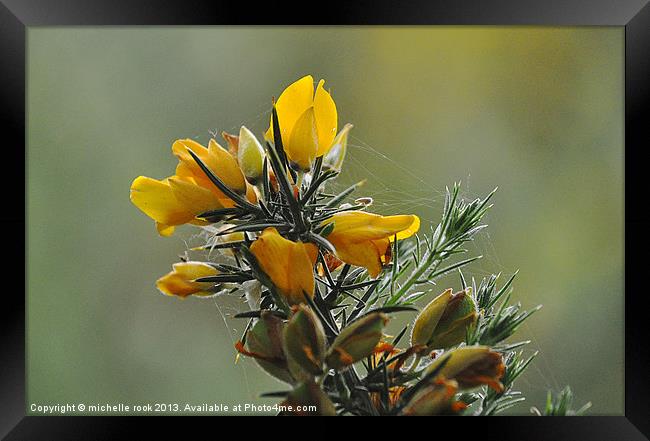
[
  {"x": 226, "y": 168},
  {"x": 358, "y": 226},
  {"x": 194, "y": 270},
  {"x": 215, "y": 157},
  {"x": 165, "y": 230},
  {"x": 303, "y": 142},
  {"x": 156, "y": 199},
  {"x": 251, "y": 194},
  {"x": 410, "y": 230},
  {"x": 301, "y": 276},
  {"x": 194, "y": 198},
  {"x": 293, "y": 102},
  {"x": 363, "y": 239},
  {"x": 326, "y": 118},
  {"x": 189, "y": 167},
  {"x": 180, "y": 281},
  {"x": 232, "y": 141},
  {"x": 288, "y": 264},
  {"x": 368, "y": 254}
]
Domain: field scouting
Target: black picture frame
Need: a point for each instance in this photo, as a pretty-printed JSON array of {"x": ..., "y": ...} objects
[{"x": 634, "y": 15}]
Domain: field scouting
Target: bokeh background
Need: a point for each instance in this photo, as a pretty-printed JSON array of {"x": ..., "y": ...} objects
[{"x": 537, "y": 112}]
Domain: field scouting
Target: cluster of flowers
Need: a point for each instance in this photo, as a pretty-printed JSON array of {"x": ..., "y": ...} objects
[{"x": 298, "y": 253}]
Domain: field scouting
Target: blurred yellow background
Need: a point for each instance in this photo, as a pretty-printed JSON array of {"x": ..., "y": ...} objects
[{"x": 535, "y": 111}]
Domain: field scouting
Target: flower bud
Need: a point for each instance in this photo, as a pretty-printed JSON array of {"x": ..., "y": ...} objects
[
  {"x": 433, "y": 399},
  {"x": 471, "y": 366},
  {"x": 264, "y": 341},
  {"x": 309, "y": 394},
  {"x": 444, "y": 321},
  {"x": 304, "y": 341},
  {"x": 356, "y": 341},
  {"x": 181, "y": 281},
  {"x": 334, "y": 158},
  {"x": 250, "y": 155}
]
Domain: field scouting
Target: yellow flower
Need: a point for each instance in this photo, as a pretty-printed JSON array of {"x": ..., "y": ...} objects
[
  {"x": 288, "y": 264},
  {"x": 180, "y": 282},
  {"x": 307, "y": 120},
  {"x": 178, "y": 199},
  {"x": 219, "y": 161},
  {"x": 363, "y": 239},
  {"x": 172, "y": 201}
]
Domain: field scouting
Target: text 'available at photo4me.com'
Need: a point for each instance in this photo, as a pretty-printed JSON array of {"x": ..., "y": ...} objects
[{"x": 164, "y": 408}]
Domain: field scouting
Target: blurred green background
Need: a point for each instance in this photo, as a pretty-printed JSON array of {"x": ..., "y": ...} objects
[{"x": 535, "y": 111}]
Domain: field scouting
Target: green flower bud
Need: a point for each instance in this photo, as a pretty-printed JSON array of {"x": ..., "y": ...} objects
[
  {"x": 357, "y": 341},
  {"x": 264, "y": 341},
  {"x": 444, "y": 321},
  {"x": 250, "y": 155},
  {"x": 334, "y": 157},
  {"x": 471, "y": 366},
  {"x": 309, "y": 394},
  {"x": 304, "y": 341},
  {"x": 433, "y": 399}
]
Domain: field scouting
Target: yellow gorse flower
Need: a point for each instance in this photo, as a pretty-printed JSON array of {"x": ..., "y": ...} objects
[
  {"x": 289, "y": 265},
  {"x": 181, "y": 281},
  {"x": 178, "y": 199},
  {"x": 308, "y": 122},
  {"x": 219, "y": 161},
  {"x": 363, "y": 239},
  {"x": 270, "y": 224}
]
